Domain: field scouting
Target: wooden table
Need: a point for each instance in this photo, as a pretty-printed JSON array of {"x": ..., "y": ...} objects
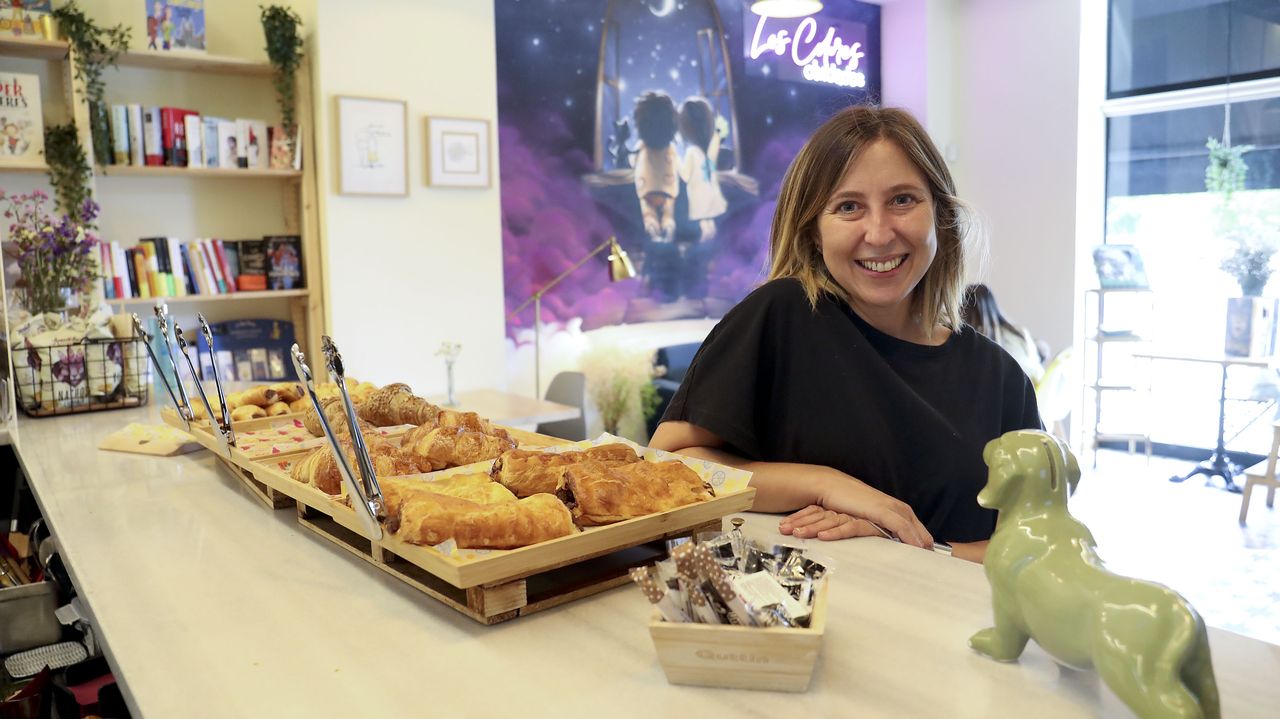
[
  {"x": 511, "y": 409},
  {"x": 1218, "y": 464}
]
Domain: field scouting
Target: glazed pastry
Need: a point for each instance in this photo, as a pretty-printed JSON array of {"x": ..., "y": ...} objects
[
  {"x": 277, "y": 409},
  {"x": 598, "y": 494},
  {"x": 287, "y": 391},
  {"x": 430, "y": 519},
  {"x": 396, "y": 404},
  {"x": 246, "y": 412},
  {"x": 477, "y": 488},
  {"x": 442, "y": 447},
  {"x": 528, "y": 472}
]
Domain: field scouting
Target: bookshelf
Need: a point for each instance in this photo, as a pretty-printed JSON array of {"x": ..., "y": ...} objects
[
  {"x": 231, "y": 297},
  {"x": 33, "y": 48},
  {"x": 228, "y": 173},
  {"x": 193, "y": 62}
]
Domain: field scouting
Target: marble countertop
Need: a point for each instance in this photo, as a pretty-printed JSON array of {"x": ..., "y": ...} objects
[{"x": 212, "y": 605}]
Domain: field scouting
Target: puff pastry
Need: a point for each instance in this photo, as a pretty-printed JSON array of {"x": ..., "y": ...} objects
[
  {"x": 337, "y": 418},
  {"x": 396, "y": 404},
  {"x": 247, "y": 412},
  {"x": 287, "y": 391},
  {"x": 528, "y": 472},
  {"x": 320, "y": 468},
  {"x": 430, "y": 518},
  {"x": 435, "y": 448},
  {"x": 598, "y": 494},
  {"x": 477, "y": 488},
  {"x": 278, "y": 408},
  {"x": 302, "y": 404},
  {"x": 262, "y": 396}
]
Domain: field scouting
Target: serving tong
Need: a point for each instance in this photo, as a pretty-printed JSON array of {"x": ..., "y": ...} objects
[{"x": 365, "y": 494}]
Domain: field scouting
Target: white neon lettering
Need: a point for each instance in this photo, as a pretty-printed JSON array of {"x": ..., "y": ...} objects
[{"x": 828, "y": 60}]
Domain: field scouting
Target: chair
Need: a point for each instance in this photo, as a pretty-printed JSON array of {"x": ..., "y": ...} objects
[
  {"x": 1262, "y": 474},
  {"x": 671, "y": 363},
  {"x": 568, "y": 388}
]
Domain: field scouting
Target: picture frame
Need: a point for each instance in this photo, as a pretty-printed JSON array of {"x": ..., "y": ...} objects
[
  {"x": 1119, "y": 267},
  {"x": 373, "y": 139},
  {"x": 458, "y": 152}
]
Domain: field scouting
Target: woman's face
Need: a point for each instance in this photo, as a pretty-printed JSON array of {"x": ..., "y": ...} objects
[{"x": 876, "y": 233}]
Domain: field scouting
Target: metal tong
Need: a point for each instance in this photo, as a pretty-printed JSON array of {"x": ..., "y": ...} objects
[
  {"x": 182, "y": 405},
  {"x": 366, "y": 495},
  {"x": 220, "y": 423}
]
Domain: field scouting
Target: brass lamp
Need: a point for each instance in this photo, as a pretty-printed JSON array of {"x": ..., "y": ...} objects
[{"x": 620, "y": 268}]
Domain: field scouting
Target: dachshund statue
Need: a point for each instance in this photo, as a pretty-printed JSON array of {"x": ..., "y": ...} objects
[{"x": 1048, "y": 584}]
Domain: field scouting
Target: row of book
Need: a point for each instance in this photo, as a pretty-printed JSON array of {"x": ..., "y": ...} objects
[
  {"x": 170, "y": 267},
  {"x": 174, "y": 137}
]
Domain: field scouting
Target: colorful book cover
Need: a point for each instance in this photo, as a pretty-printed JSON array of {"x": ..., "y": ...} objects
[
  {"x": 187, "y": 270},
  {"x": 228, "y": 145},
  {"x": 281, "y": 150},
  {"x": 175, "y": 25},
  {"x": 152, "y": 141},
  {"x": 256, "y": 149},
  {"x": 284, "y": 262},
  {"x": 228, "y": 279},
  {"x": 258, "y": 346},
  {"x": 20, "y": 119},
  {"x": 253, "y": 266},
  {"x": 26, "y": 18},
  {"x": 242, "y": 142},
  {"x": 136, "y": 154}
]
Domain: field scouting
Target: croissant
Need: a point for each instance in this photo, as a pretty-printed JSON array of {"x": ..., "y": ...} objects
[
  {"x": 527, "y": 472},
  {"x": 441, "y": 447},
  {"x": 430, "y": 518},
  {"x": 477, "y": 488},
  {"x": 276, "y": 409},
  {"x": 247, "y": 412},
  {"x": 302, "y": 404},
  {"x": 396, "y": 404},
  {"x": 598, "y": 494},
  {"x": 320, "y": 468},
  {"x": 337, "y": 418},
  {"x": 262, "y": 396},
  {"x": 287, "y": 391}
]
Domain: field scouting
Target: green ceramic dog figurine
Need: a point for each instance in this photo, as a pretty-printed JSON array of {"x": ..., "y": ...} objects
[{"x": 1048, "y": 584}]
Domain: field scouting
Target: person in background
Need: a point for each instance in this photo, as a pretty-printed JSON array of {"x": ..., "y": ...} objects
[
  {"x": 847, "y": 383},
  {"x": 983, "y": 314}
]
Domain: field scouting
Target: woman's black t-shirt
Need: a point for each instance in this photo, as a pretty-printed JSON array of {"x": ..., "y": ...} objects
[{"x": 779, "y": 381}]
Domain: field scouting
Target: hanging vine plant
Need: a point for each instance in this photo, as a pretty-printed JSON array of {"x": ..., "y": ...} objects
[
  {"x": 96, "y": 47},
  {"x": 69, "y": 170},
  {"x": 284, "y": 50}
]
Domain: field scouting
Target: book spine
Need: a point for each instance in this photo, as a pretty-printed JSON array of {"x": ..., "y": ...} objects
[
  {"x": 211, "y": 259},
  {"x": 228, "y": 279},
  {"x": 152, "y": 142},
  {"x": 175, "y": 264},
  {"x": 104, "y": 262},
  {"x": 120, "y": 134},
  {"x": 166, "y": 135},
  {"x": 140, "y": 268},
  {"x": 136, "y": 153},
  {"x": 242, "y": 143},
  {"x": 197, "y": 271},
  {"x": 210, "y": 141},
  {"x": 195, "y": 139},
  {"x": 122, "y": 272},
  {"x": 188, "y": 272}
]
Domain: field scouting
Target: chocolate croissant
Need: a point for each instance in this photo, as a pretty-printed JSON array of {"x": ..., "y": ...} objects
[
  {"x": 528, "y": 472},
  {"x": 442, "y": 447},
  {"x": 429, "y": 518},
  {"x": 598, "y": 494}
]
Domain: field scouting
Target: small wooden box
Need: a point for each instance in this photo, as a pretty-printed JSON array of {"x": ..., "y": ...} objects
[{"x": 717, "y": 655}]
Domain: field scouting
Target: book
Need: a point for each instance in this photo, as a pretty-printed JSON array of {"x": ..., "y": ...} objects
[
  {"x": 259, "y": 348},
  {"x": 175, "y": 25},
  {"x": 140, "y": 271},
  {"x": 188, "y": 270},
  {"x": 253, "y": 266},
  {"x": 210, "y": 140},
  {"x": 281, "y": 149},
  {"x": 284, "y": 262},
  {"x": 228, "y": 150},
  {"x": 228, "y": 279},
  {"x": 256, "y": 147},
  {"x": 178, "y": 269},
  {"x": 104, "y": 262},
  {"x": 119, "y": 135},
  {"x": 21, "y": 122},
  {"x": 1119, "y": 267},
  {"x": 152, "y": 140},
  {"x": 231, "y": 251},
  {"x": 136, "y": 153},
  {"x": 242, "y": 142},
  {"x": 215, "y": 270},
  {"x": 26, "y": 18},
  {"x": 173, "y": 136},
  {"x": 100, "y": 130},
  {"x": 195, "y": 139}
]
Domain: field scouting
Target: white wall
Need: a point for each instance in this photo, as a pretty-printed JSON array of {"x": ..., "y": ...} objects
[
  {"x": 405, "y": 274},
  {"x": 1015, "y": 69}
]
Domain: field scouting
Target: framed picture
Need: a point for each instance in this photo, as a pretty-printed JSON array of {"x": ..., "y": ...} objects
[
  {"x": 1119, "y": 267},
  {"x": 372, "y": 141},
  {"x": 457, "y": 152}
]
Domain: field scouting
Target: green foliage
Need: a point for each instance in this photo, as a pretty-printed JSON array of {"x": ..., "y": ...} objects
[
  {"x": 284, "y": 50},
  {"x": 1250, "y": 263},
  {"x": 95, "y": 47},
  {"x": 1226, "y": 170},
  {"x": 1249, "y": 260},
  {"x": 619, "y": 384},
  {"x": 69, "y": 170}
]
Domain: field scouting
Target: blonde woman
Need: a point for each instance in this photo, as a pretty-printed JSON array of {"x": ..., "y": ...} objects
[{"x": 847, "y": 383}]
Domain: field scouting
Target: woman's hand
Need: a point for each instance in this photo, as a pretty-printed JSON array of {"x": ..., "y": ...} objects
[
  {"x": 854, "y": 497},
  {"x": 824, "y": 524}
]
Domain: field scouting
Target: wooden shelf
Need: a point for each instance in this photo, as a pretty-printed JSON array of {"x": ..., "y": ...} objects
[
  {"x": 195, "y": 62},
  {"x": 264, "y": 295},
  {"x": 161, "y": 171},
  {"x": 33, "y": 48},
  {"x": 24, "y": 167}
]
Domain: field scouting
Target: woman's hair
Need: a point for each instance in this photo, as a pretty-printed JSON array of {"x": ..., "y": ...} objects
[
  {"x": 656, "y": 117},
  {"x": 794, "y": 244},
  {"x": 697, "y": 122},
  {"x": 981, "y": 312}
]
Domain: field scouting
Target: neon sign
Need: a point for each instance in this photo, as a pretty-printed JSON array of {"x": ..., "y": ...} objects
[{"x": 810, "y": 49}]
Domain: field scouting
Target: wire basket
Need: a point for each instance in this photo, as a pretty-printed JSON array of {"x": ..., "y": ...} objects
[{"x": 81, "y": 376}]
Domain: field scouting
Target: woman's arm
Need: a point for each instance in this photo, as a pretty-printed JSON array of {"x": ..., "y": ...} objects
[{"x": 788, "y": 486}]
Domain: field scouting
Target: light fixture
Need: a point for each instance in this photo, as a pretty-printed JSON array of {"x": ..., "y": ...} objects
[
  {"x": 785, "y": 8},
  {"x": 620, "y": 268}
]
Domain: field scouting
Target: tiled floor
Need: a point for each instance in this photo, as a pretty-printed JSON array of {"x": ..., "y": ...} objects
[{"x": 1186, "y": 536}]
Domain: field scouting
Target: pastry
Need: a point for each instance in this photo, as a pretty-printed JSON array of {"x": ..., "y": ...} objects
[
  {"x": 278, "y": 408},
  {"x": 337, "y": 418},
  {"x": 396, "y": 404},
  {"x": 430, "y": 518},
  {"x": 262, "y": 396},
  {"x": 320, "y": 468},
  {"x": 477, "y": 488},
  {"x": 287, "y": 391},
  {"x": 246, "y": 412},
  {"x": 302, "y": 404},
  {"x": 527, "y": 472},
  {"x": 599, "y": 494},
  {"x": 435, "y": 448}
]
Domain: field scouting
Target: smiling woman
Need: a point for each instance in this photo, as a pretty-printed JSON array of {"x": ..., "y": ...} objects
[{"x": 847, "y": 383}]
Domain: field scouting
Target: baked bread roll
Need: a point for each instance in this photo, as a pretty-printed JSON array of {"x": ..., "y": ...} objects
[
  {"x": 435, "y": 448},
  {"x": 597, "y": 494},
  {"x": 320, "y": 468},
  {"x": 278, "y": 408},
  {"x": 396, "y": 404},
  {"x": 300, "y": 405},
  {"x": 430, "y": 518},
  {"x": 261, "y": 396},
  {"x": 337, "y": 419},
  {"x": 527, "y": 472},
  {"x": 287, "y": 391},
  {"x": 246, "y": 412}
]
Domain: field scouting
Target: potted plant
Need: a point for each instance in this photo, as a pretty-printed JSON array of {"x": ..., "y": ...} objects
[
  {"x": 55, "y": 255},
  {"x": 284, "y": 50},
  {"x": 619, "y": 385}
]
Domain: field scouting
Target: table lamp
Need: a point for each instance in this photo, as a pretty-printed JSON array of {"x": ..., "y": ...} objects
[{"x": 620, "y": 268}]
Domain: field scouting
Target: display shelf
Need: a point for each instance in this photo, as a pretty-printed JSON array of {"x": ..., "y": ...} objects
[
  {"x": 233, "y": 296},
  {"x": 161, "y": 171},
  {"x": 1116, "y": 338},
  {"x": 195, "y": 62},
  {"x": 37, "y": 48},
  {"x": 24, "y": 167}
]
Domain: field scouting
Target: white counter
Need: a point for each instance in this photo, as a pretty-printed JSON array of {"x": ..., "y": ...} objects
[{"x": 212, "y": 605}]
